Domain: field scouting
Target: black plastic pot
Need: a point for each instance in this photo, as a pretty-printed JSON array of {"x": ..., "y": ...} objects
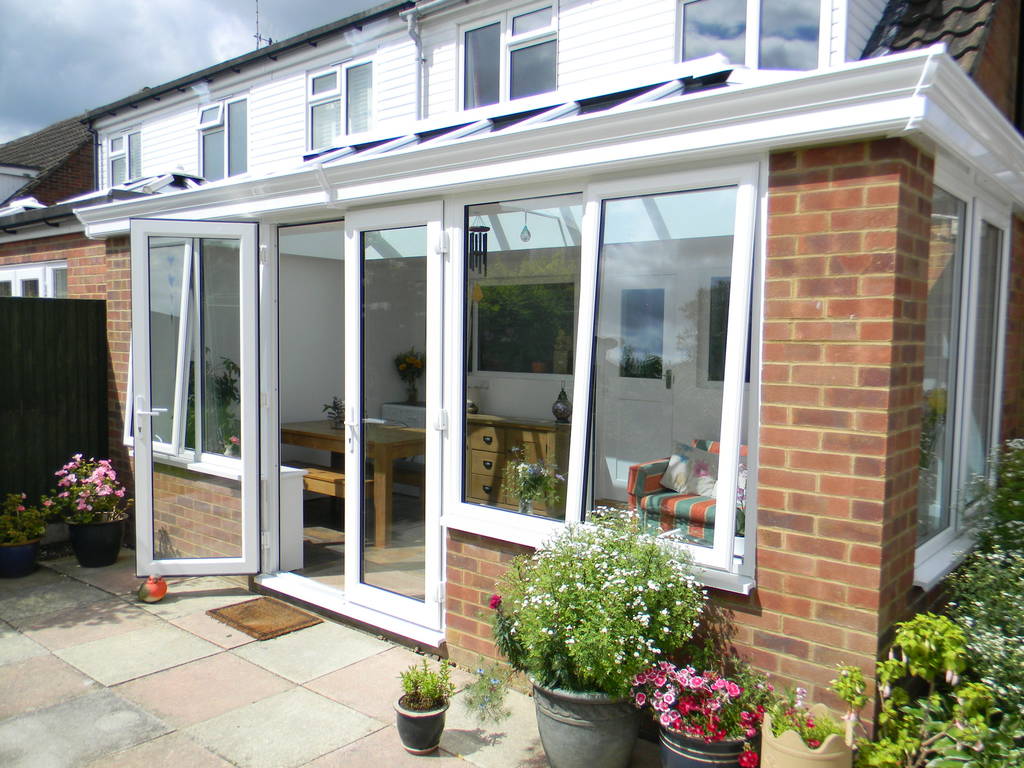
[
  {"x": 420, "y": 732},
  {"x": 18, "y": 560},
  {"x": 96, "y": 544}
]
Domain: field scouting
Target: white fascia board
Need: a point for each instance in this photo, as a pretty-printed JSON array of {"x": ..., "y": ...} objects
[
  {"x": 898, "y": 95},
  {"x": 38, "y": 231}
]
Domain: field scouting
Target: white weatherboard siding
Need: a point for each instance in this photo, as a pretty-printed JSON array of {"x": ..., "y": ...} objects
[
  {"x": 862, "y": 16},
  {"x": 394, "y": 82},
  {"x": 171, "y": 142},
  {"x": 608, "y": 40},
  {"x": 441, "y": 51},
  {"x": 277, "y": 123}
]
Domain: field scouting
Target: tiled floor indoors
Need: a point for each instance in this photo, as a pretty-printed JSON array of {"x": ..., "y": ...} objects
[{"x": 89, "y": 677}]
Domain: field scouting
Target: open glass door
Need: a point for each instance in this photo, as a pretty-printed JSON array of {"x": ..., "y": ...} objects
[
  {"x": 195, "y": 419},
  {"x": 393, "y": 411}
]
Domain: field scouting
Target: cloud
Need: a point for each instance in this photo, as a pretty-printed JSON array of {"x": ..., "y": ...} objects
[{"x": 59, "y": 58}]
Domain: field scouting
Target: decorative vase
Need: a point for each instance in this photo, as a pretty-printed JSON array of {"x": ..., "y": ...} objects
[
  {"x": 679, "y": 751},
  {"x": 420, "y": 732},
  {"x": 17, "y": 560},
  {"x": 562, "y": 408},
  {"x": 788, "y": 750},
  {"x": 526, "y": 506},
  {"x": 412, "y": 395},
  {"x": 96, "y": 544},
  {"x": 584, "y": 730}
]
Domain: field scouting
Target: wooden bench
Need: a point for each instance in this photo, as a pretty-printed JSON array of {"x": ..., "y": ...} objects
[{"x": 329, "y": 482}]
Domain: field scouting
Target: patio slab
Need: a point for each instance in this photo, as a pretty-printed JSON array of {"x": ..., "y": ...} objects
[
  {"x": 19, "y": 607},
  {"x": 39, "y": 577},
  {"x": 514, "y": 741},
  {"x": 217, "y": 632},
  {"x": 116, "y": 659},
  {"x": 85, "y": 623},
  {"x": 118, "y": 579},
  {"x": 286, "y": 730},
  {"x": 38, "y": 682},
  {"x": 383, "y": 748},
  {"x": 197, "y": 595},
  {"x": 312, "y": 652},
  {"x": 203, "y": 689},
  {"x": 175, "y": 750},
  {"x": 75, "y": 732},
  {"x": 16, "y": 647}
]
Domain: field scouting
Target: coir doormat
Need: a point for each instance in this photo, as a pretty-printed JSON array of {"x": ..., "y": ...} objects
[{"x": 264, "y": 617}]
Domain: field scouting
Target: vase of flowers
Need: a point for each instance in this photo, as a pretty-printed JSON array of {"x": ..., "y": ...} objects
[
  {"x": 705, "y": 718},
  {"x": 527, "y": 481},
  {"x": 410, "y": 366},
  {"x": 584, "y": 614},
  {"x": 21, "y": 528},
  {"x": 94, "y": 504}
]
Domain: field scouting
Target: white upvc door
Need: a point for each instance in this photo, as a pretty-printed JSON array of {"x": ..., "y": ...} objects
[
  {"x": 195, "y": 409},
  {"x": 394, "y": 262}
]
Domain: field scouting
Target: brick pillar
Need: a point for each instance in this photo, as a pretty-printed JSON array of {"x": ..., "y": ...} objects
[
  {"x": 840, "y": 420},
  {"x": 1013, "y": 369},
  {"x": 118, "y": 293}
]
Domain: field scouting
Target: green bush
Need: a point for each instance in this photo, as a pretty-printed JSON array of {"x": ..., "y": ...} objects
[{"x": 425, "y": 688}]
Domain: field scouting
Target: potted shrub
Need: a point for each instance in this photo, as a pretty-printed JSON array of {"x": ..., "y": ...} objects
[
  {"x": 94, "y": 504},
  {"x": 794, "y": 736},
  {"x": 420, "y": 711},
  {"x": 704, "y": 718},
  {"x": 582, "y": 616},
  {"x": 21, "y": 527}
]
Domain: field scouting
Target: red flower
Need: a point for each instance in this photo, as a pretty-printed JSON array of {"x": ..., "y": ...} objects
[
  {"x": 495, "y": 602},
  {"x": 748, "y": 759}
]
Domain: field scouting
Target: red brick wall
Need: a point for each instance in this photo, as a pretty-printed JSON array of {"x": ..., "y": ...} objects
[
  {"x": 195, "y": 515},
  {"x": 996, "y": 70},
  {"x": 1013, "y": 371}
]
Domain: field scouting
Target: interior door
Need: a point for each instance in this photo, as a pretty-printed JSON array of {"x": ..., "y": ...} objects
[
  {"x": 393, "y": 354},
  {"x": 195, "y": 415}
]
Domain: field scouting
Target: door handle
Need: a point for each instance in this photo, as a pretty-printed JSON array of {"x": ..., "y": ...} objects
[
  {"x": 154, "y": 412},
  {"x": 668, "y": 379}
]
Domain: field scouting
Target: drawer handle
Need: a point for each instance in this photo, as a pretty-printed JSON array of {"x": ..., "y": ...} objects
[
  {"x": 488, "y": 464},
  {"x": 487, "y": 488},
  {"x": 488, "y": 439}
]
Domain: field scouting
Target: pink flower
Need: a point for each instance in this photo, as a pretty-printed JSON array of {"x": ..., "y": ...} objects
[
  {"x": 665, "y": 719},
  {"x": 234, "y": 440},
  {"x": 641, "y": 699},
  {"x": 732, "y": 689},
  {"x": 495, "y": 602}
]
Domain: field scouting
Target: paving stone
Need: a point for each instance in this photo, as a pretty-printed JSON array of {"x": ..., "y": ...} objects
[
  {"x": 515, "y": 741},
  {"x": 20, "y": 607},
  {"x": 282, "y": 731},
  {"x": 75, "y": 732},
  {"x": 85, "y": 623},
  {"x": 197, "y": 595},
  {"x": 38, "y": 682},
  {"x": 217, "y": 632},
  {"x": 175, "y": 750},
  {"x": 118, "y": 579},
  {"x": 383, "y": 749},
  {"x": 39, "y": 577},
  {"x": 16, "y": 647},
  {"x": 313, "y": 652},
  {"x": 202, "y": 689},
  {"x": 126, "y": 656},
  {"x": 348, "y": 685}
]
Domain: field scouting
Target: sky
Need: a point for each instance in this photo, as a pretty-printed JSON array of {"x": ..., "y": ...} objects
[{"x": 60, "y": 58}]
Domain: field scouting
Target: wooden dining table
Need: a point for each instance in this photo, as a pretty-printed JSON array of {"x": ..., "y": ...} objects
[{"x": 384, "y": 444}]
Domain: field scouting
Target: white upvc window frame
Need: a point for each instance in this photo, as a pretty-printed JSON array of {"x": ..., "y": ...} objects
[
  {"x": 218, "y": 121},
  {"x": 119, "y": 148},
  {"x": 752, "y": 42},
  {"x": 339, "y": 94},
  {"x": 43, "y": 271},
  {"x": 721, "y": 565},
  {"x": 936, "y": 556},
  {"x": 509, "y": 44}
]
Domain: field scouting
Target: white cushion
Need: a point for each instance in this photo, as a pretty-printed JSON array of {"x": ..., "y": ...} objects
[{"x": 677, "y": 474}]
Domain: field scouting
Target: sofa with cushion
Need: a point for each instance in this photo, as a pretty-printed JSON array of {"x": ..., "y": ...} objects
[{"x": 676, "y": 496}]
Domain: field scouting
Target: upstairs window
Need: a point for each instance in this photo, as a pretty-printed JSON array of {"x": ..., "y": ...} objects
[
  {"x": 224, "y": 139},
  {"x": 125, "y": 152},
  {"x": 510, "y": 57},
  {"x": 788, "y": 32},
  {"x": 349, "y": 84}
]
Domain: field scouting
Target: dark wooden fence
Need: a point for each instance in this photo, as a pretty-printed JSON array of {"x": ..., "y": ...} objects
[{"x": 53, "y": 388}]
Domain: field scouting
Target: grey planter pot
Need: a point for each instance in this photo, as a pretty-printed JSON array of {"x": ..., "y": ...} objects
[
  {"x": 585, "y": 730},
  {"x": 420, "y": 732}
]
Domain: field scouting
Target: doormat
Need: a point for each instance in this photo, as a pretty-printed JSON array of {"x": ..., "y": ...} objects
[{"x": 264, "y": 617}]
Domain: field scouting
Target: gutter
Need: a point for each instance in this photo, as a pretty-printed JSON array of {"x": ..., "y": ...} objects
[{"x": 412, "y": 27}]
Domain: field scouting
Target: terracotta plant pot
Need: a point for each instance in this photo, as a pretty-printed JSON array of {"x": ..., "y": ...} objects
[
  {"x": 420, "y": 732},
  {"x": 789, "y": 751},
  {"x": 17, "y": 560}
]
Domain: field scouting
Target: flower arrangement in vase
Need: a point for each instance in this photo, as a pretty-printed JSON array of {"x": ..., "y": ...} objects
[
  {"x": 410, "y": 366},
  {"x": 704, "y": 716},
  {"x": 529, "y": 481}
]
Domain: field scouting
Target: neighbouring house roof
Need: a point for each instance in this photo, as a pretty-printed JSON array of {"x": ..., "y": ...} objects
[
  {"x": 909, "y": 24},
  {"x": 44, "y": 151}
]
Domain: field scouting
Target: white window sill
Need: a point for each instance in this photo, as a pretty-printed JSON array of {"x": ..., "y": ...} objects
[
  {"x": 933, "y": 569},
  {"x": 229, "y": 469}
]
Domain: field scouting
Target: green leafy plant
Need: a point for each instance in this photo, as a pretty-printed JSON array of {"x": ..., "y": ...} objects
[
  {"x": 20, "y": 522},
  {"x": 526, "y": 481},
  {"x": 484, "y": 698},
  {"x": 335, "y": 411},
  {"x": 425, "y": 688},
  {"x": 596, "y": 605},
  {"x": 952, "y": 722},
  {"x": 88, "y": 491}
]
